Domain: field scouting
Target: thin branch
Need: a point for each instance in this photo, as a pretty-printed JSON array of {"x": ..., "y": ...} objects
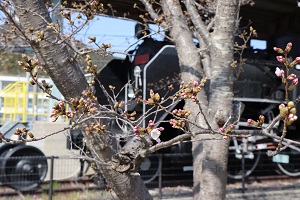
[
  {"x": 197, "y": 21},
  {"x": 150, "y": 10}
]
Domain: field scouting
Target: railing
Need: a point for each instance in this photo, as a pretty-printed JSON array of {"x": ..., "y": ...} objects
[{"x": 158, "y": 172}]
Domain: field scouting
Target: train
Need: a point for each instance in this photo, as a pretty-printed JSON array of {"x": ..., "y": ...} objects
[{"x": 154, "y": 65}]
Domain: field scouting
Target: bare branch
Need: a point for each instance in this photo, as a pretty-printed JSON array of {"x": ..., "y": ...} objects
[{"x": 197, "y": 21}]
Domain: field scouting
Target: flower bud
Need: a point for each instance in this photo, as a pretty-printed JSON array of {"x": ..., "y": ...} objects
[
  {"x": 20, "y": 63},
  {"x": 291, "y": 77},
  {"x": 281, "y": 106},
  {"x": 222, "y": 130},
  {"x": 278, "y": 50},
  {"x": 297, "y": 60},
  {"x": 288, "y": 47},
  {"x": 293, "y": 111},
  {"x": 290, "y": 104},
  {"x": 280, "y": 59},
  {"x": 295, "y": 82}
]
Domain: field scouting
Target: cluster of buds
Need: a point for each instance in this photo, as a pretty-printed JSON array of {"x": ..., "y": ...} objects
[
  {"x": 89, "y": 95},
  {"x": 139, "y": 99},
  {"x": 291, "y": 77},
  {"x": 97, "y": 5},
  {"x": 182, "y": 113},
  {"x": 66, "y": 15},
  {"x": 283, "y": 59},
  {"x": 159, "y": 20},
  {"x": 285, "y": 51},
  {"x": 105, "y": 46},
  {"x": 227, "y": 130},
  {"x": 83, "y": 105},
  {"x": 29, "y": 64},
  {"x": 47, "y": 87},
  {"x": 170, "y": 87},
  {"x": 94, "y": 128},
  {"x": 90, "y": 68},
  {"x": 92, "y": 39},
  {"x": 177, "y": 123},
  {"x": 40, "y": 36},
  {"x": 139, "y": 130},
  {"x": 130, "y": 116},
  {"x": 21, "y": 132},
  {"x": 288, "y": 111},
  {"x": 59, "y": 109},
  {"x": 119, "y": 105},
  {"x": 54, "y": 27},
  {"x": 191, "y": 89},
  {"x": 154, "y": 99},
  {"x": 258, "y": 123}
]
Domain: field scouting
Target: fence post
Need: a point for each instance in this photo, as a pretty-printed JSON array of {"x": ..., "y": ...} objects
[
  {"x": 243, "y": 172},
  {"x": 51, "y": 177},
  {"x": 160, "y": 175}
]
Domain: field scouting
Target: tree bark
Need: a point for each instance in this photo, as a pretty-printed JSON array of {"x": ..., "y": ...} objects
[
  {"x": 214, "y": 154},
  {"x": 57, "y": 61},
  {"x": 209, "y": 157},
  {"x": 69, "y": 79}
]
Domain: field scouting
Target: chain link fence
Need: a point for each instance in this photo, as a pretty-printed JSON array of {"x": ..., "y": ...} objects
[{"x": 48, "y": 175}]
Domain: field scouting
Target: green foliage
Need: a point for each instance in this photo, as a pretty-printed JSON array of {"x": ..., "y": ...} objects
[{"x": 9, "y": 64}]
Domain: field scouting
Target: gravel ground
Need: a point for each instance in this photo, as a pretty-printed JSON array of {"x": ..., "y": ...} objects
[{"x": 257, "y": 192}]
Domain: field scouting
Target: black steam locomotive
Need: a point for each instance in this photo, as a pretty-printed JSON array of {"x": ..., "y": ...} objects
[{"x": 155, "y": 66}]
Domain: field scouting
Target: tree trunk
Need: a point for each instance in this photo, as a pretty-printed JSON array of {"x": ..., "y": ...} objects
[
  {"x": 209, "y": 156},
  {"x": 212, "y": 155},
  {"x": 69, "y": 79}
]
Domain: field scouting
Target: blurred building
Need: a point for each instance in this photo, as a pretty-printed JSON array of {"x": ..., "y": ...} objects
[{"x": 21, "y": 101}]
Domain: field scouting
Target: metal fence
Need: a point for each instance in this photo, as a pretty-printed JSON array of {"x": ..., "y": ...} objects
[{"x": 49, "y": 175}]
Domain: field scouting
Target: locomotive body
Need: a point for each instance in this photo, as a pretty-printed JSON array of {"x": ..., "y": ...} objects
[{"x": 156, "y": 66}]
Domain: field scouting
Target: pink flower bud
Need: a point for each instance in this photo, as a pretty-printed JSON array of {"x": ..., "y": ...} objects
[
  {"x": 136, "y": 129},
  {"x": 20, "y": 63},
  {"x": 281, "y": 106},
  {"x": 291, "y": 76},
  {"x": 195, "y": 84},
  {"x": 222, "y": 130},
  {"x": 295, "y": 117},
  {"x": 280, "y": 59},
  {"x": 250, "y": 122},
  {"x": 151, "y": 123},
  {"x": 225, "y": 137},
  {"x": 297, "y": 60},
  {"x": 295, "y": 82},
  {"x": 278, "y": 50},
  {"x": 291, "y": 116},
  {"x": 261, "y": 117},
  {"x": 160, "y": 128}
]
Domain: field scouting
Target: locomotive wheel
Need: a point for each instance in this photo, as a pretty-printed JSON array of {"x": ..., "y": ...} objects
[
  {"x": 292, "y": 168},
  {"x": 234, "y": 168},
  {"x": 23, "y": 167},
  {"x": 149, "y": 169}
]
